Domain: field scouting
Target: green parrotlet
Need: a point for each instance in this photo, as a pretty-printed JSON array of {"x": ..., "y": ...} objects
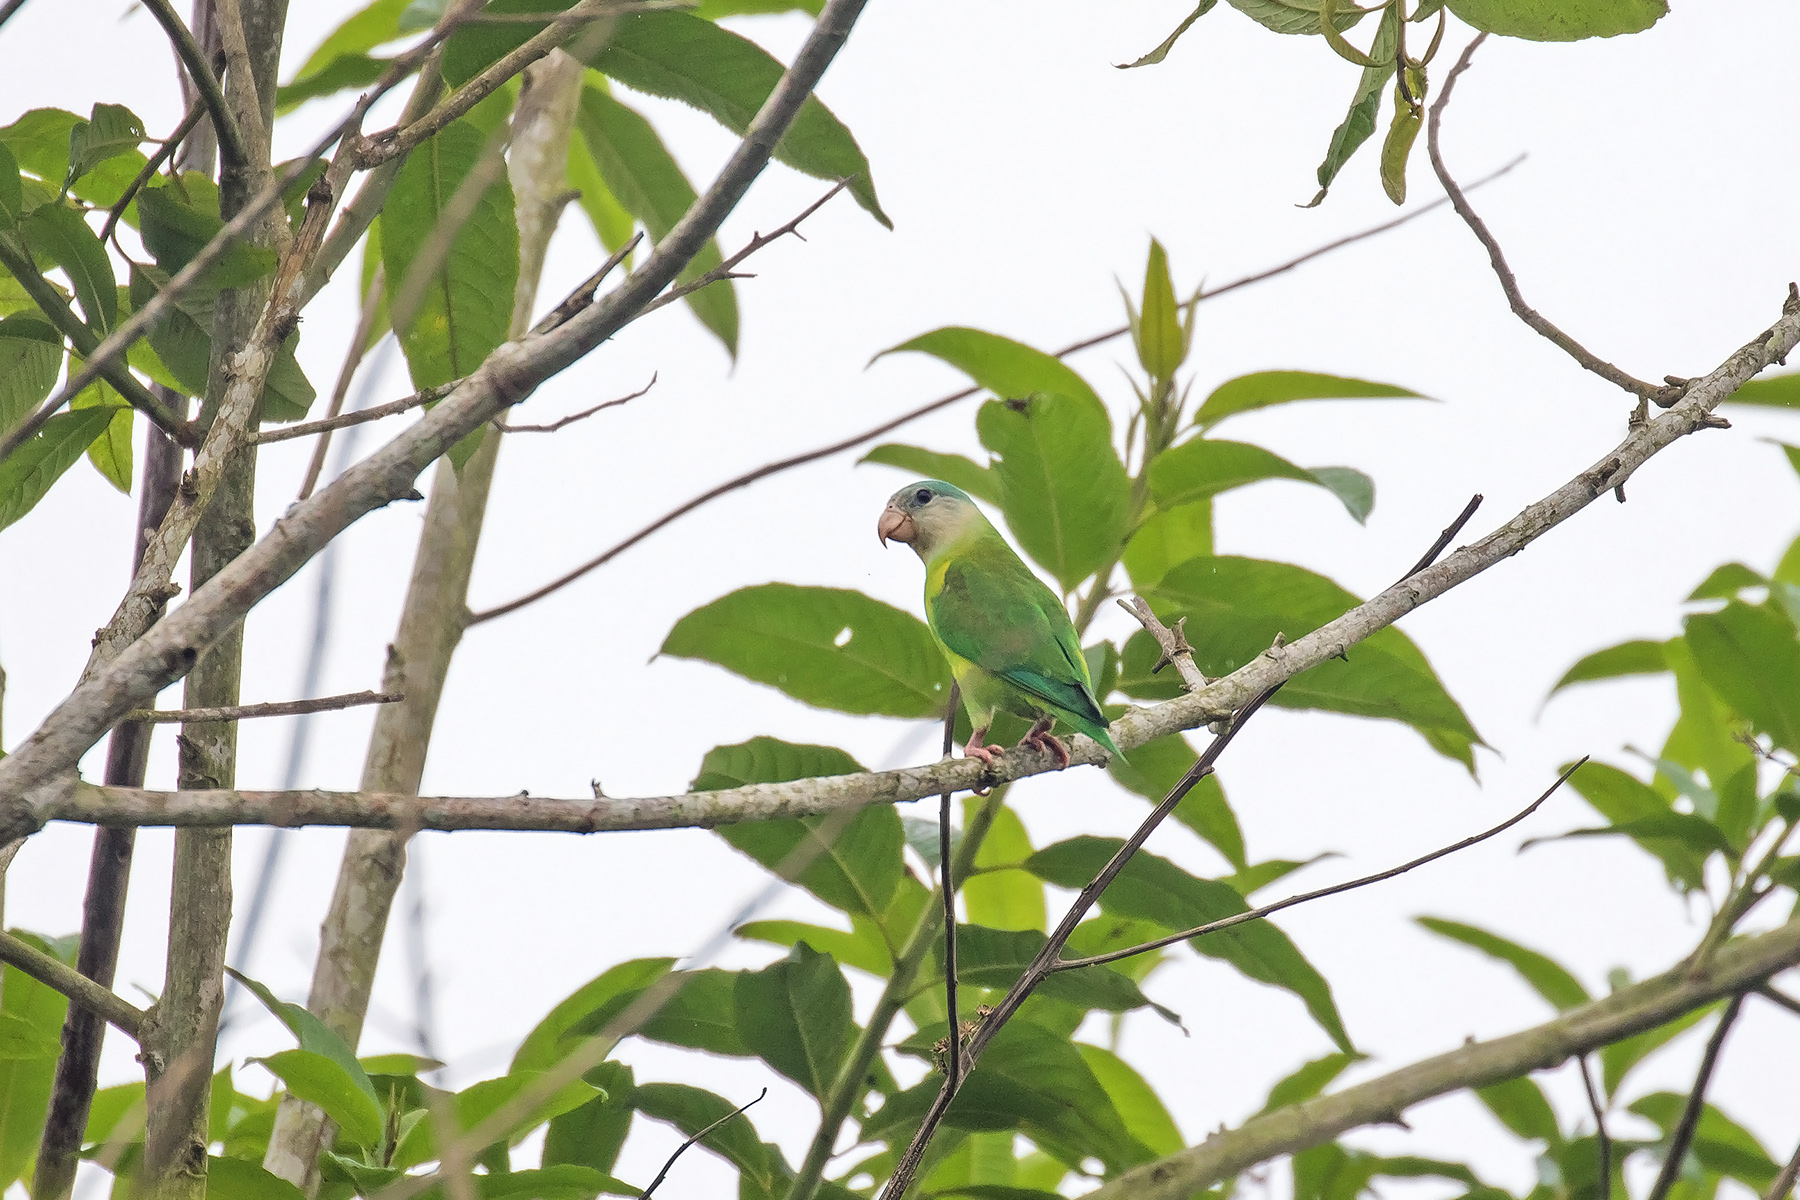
[{"x": 1007, "y": 637}]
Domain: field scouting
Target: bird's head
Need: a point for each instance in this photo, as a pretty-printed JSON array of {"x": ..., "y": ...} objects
[{"x": 928, "y": 516}]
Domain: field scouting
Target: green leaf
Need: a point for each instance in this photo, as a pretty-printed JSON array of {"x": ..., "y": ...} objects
[
  {"x": 243, "y": 1180},
  {"x": 466, "y": 310},
  {"x": 362, "y": 31},
  {"x": 1521, "y": 1106},
  {"x": 1621, "y": 799},
  {"x": 28, "y": 473},
  {"x": 1166, "y": 537},
  {"x": 39, "y": 141},
  {"x": 591, "y": 1136},
  {"x": 1725, "y": 582},
  {"x": 1157, "y": 330},
  {"x": 25, "y": 1082},
  {"x": 1264, "y": 389},
  {"x": 316, "y": 1038},
  {"x": 1032, "y": 1080},
  {"x": 319, "y": 1080},
  {"x": 178, "y": 218},
  {"x": 1154, "y": 889},
  {"x": 683, "y": 57},
  {"x": 479, "y": 1101},
  {"x": 998, "y": 894},
  {"x": 691, "y": 1109},
  {"x": 1167, "y": 44},
  {"x": 563, "y": 1182},
  {"x": 769, "y": 760},
  {"x": 995, "y": 958},
  {"x": 345, "y": 72},
  {"x": 700, "y": 1016},
  {"x": 1307, "y": 1081},
  {"x": 1559, "y": 20},
  {"x": 550, "y": 1041},
  {"x": 1720, "y": 1146},
  {"x": 1143, "y": 1113},
  {"x": 828, "y": 647},
  {"x": 1201, "y": 468},
  {"x": 640, "y": 172},
  {"x": 1640, "y": 657},
  {"x": 1359, "y": 121},
  {"x": 612, "y": 223},
  {"x": 1236, "y": 606},
  {"x": 1749, "y": 655},
  {"x": 1778, "y": 390},
  {"x": 111, "y": 131},
  {"x": 857, "y": 872},
  {"x": 795, "y": 1015},
  {"x": 971, "y": 477},
  {"x": 1618, "y": 1059},
  {"x": 1696, "y": 833},
  {"x": 31, "y": 354},
  {"x": 1546, "y": 977},
  {"x": 60, "y": 232},
  {"x": 1403, "y": 130},
  {"x": 1152, "y": 773},
  {"x": 862, "y": 947},
  {"x": 12, "y": 195},
  {"x": 111, "y": 451},
  {"x": 1295, "y": 16},
  {"x": 1065, "y": 493},
  {"x": 1706, "y": 736}
]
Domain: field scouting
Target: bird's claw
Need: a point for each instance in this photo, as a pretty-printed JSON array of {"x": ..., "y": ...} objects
[{"x": 1042, "y": 740}]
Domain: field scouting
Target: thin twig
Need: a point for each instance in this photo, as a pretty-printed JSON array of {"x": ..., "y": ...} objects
[
  {"x": 1682, "y": 1135},
  {"x": 1173, "y": 642},
  {"x": 727, "y": 269},
  {"x": 233, "y": 150},
  {"x": 360, "y": 417},
  {"x": 9, "y": 8},
  {"x": 245, "y": 712},
  {"x": 1665, "y": 396},
  {"x": 583, "y": 415},
  {"x": 947, "y": 886},
  {"x": 1768, "y": 991},
  {"x": 1601, "y": 1139},
  {"x": 1444, "y": 538},
  {"x": 869, "y": 435},
  {"x": 1257, "y": 914},
  {"x": 71, "y": 983},
  {"x": 1046, "y": 958},
  {"x": 583, "y": 296},
  {"x": 340, "y": 389},
  {"x": 664, "y": 1173},
  {"x": 1783, "y": 1186},
  {"x": 151, "y": 165}
]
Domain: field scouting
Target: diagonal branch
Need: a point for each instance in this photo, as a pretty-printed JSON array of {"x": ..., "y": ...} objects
[
  {"x": 37, "y": 772},
  {"x": 360, "y": 417},
  {"x": 1739, "y": 965},
  {"x": 1682, "y": 1135},
  {"x": 584, "y": 414},
  {"x": 679, "y": 1150},
  {"x": 71, "y": 983},
  {"x": 233, "y": 149},
  {"x": 244, "y": 712},
  {"x": 1509, "y": 284}
]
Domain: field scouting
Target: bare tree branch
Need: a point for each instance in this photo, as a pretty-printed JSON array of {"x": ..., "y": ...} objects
[
  {"x": 1509, "y": 284},
  {"x": 1682, "y": 1135},
  {"x": 1444, "y": 538},
  {"x": 679, "y": 1150},
  {"x": 71, "y": 983},
  {"x": 362, "y": 417},
  {"x": 1174, "y": 643},
  {"x": 278, "y": 708},
  {"x": 1601, "y": 1139},
  {"x": 1740, "y": 964},
  {"x": 584, "y": 414},
  {"x": 233, "y": 149}
]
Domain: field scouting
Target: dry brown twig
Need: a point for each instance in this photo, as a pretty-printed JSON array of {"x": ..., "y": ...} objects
[
  {"x": 1174, "y": 643},
  {"x": 277, "y": 708},
  {"x": 584, "y": 414}
]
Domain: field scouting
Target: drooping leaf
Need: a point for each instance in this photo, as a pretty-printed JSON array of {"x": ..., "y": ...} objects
[
  {"x": 955, "y": 469},
  {"x": 112, "y": 130},
  {"x": 177, "y": 218},
  {"x": 1750, "y": 656},
  {"x": 1618, "y": 1059},
  {"x": 1295, "y": 16},
  {"x": 12, "y": 195},
  {"x": 828, "y": 647},
  {"x": 1065, "y": 493},
  {"x": 683, "y": 57},
  {"x": 612, "y": 223},
  {"x": 344, "y": 72},
  {"x": 1201, "y": 468},
  {"x": 1236, "y": 606},
  {"x": 465, "y": 309},
  {"x": 1153, "y": 889},
  {"x": 1547, "y": 977},
  {"x": 861, "y": 947},
  {"x": 1359, "y": 120},
  {"x": 1263, "y": 389},
  {"x": 1698, "y": 834},
  {"x": 856, "y": 871},
  {"x": 1152, "y": 773},
  {"x": 28, "y": 473},
  {"x": 111, "y": 451},
  {"x": 549, "y": 1041},
  {"x": 1139, "y": 1106},
  {"x": 1403, "y": 130},
  {"x": 1306, "y": 1081},
  {"x": 1640, "y": 657},
  {"x": 1559, "y": 20},
  {"x": 361, "y": 32},
  {"x": 592, "y": 1135},
  {"x": 691, "y": 1109},
  {"x": 1622, "y": 799},
  {"x": 1520, "y": 1105},
  {"x": 319, "y": 1080},
  {"x": 1167, "y": 44},
  {"x": 643, "y": 176},
  {"x": 1707, "y": 736},
  {"x": 1720, "y": 1145},
  {"x": 31, "y": 354},
  {"x": 795, "y": 1015},
  {"x": 60, "y": 232}
]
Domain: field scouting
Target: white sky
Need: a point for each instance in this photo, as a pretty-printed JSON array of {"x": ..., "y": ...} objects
[{"x": 1653, "y": 219}]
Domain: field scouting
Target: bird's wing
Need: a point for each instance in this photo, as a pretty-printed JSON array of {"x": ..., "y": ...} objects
[{"x": 993, "y": 611}]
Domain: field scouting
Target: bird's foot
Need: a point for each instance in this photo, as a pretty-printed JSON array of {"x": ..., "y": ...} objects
[
  {"x": 987, "y": 754},
  {"x": 1039, "y": 739}
]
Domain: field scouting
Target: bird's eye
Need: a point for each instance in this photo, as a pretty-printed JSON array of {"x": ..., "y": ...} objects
[{"x": 922, "y": 496}]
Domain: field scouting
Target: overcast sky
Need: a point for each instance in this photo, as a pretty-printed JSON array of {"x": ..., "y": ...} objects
[{"x": 1654, "y": 219}]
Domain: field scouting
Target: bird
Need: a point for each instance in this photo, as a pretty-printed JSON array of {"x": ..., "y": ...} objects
[{"x": 1008, "y": 639}]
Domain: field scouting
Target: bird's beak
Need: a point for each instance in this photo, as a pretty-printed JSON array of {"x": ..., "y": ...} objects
[{"x": 895, "y": 524}]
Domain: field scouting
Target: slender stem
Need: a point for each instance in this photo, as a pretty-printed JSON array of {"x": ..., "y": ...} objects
[
  {"x": 1682, "y": 1135},
  {"x": 233, "y": 149},
  {"x": 1257, "y": 914},
  {"x": 71, "y": 983},
  {"x": 360, "y": 417},
  {"x": 1783, "y": 1186},
  {"x": 679, "y": 1150},
  {"x": 1444, "y": 539},
  {"x": 170, "y": 144},
  {"x": 244, "y": 712},
  {"x": 1601, "y": 1138}
]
